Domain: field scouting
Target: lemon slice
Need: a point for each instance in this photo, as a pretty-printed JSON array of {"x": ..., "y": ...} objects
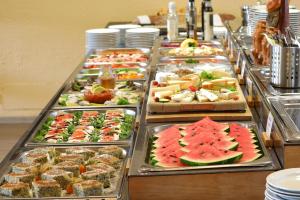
[
  {"x": 96, "y": 88},
  {"x": 189, "y": 43}
]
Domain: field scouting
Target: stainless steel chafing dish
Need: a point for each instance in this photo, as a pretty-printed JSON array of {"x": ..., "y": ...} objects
[
  {"x": 288, "y": 111},
  {"x": 114, "y": 192}
]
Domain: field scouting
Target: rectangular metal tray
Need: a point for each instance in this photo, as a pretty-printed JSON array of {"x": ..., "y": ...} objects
[
  {"x": 114, "y": 194},
  {"x": 262, "y": 75},
  {"x": 94, "y": 73},
  {"x": 154, "y": 129},
  {"x": 53, "y": 113},
  {"x": 69, "y": 91},
  {"x": 288, "y": 109},
  {"x": 96, "y": 52},
  {"x": 196, "y": 68},
  {"x": 114, "y": 66},
  {"x": 176, "y": 43},
  {"x": 164, "y": 52},
  {"x": 214, "y": 59}
]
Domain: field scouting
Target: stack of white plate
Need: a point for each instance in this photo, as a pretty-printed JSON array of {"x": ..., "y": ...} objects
[
  {"x": 123, "y": 28},
  {"x": 283, "y": 185},
  {"x": 141, "y": 37},
  {"x": 257, "y": 13},
  {"x": 102, "y": 38}
]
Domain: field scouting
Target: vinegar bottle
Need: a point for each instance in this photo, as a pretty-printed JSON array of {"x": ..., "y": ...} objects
[
  {"x": 106, "y": 77},
  {"x": 191, "y": 20}
]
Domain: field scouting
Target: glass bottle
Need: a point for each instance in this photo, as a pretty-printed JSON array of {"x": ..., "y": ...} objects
[
  {"x": 202, "y": 15},
  {"x": 191, "y": 20},
  {"x": 107, "y": 78},
  {"x": 208, "y": 21},
  {"x": 172, "y": 22}
]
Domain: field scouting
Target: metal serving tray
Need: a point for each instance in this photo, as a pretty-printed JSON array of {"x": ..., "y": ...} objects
[
  {"x": 69, "y": 91},
  {"x": 117, "y": 184},
  {"x": 98, "y": 67},
  {"x": 92, "y": 73},
  {"x": 197, "y": 68},
  {"x": 262, "y": 76},
  {"x": 176, "y": 43},
  {"x": 110, "y": 51},
  {"x": 214, "y": 59},
  {"x": 152, "y": 130},
  {"x": 54, "y": 113},
  {"x": 288, "y": 108},
  {"x": 164, "y": 52}
]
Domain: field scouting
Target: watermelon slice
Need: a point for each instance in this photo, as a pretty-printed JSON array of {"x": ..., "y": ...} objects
[
  {"x": 204, "y": 143},
  {"x": 165, "y": 149},
  {"x": 209, "y": 155},
  {"x": 247, "y": 143},
  {"x": 208, "y": 125},
  {"x": 170, "y": 159},
  {"x": 167, "y": 157},
  {"x": 222, "y": 144},
  {"x": 250, "y": 155},
  {"x": 166, "y": 137},
  {"x": 168, "y": 133}
]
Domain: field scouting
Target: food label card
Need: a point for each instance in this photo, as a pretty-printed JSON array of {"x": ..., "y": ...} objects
[
  {"x": 238, "y": 59},
  {"x": 250, "y": 86},
  {"x": 243, "y": 68},
  {"x": 269, "y": 124}
]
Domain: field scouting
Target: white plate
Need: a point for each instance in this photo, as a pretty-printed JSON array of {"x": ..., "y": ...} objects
[
  {"x": 124, "y": 26},
  {"x": 103, "y": 30},
  {"x": 283, "y": 195},
  {"x": 288, "y": 179},
  {"x": 268, "y": 186},
  {"x": 269, "y": 197},
  {"x": 143, "y": 30}
]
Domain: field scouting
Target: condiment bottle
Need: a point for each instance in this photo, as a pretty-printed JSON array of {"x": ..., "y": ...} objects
[
  {"x": 208, "y": 21},
  {"x": 191, "y": 20},
  {"x": 107, "y": 78},
  {"x": 172, "y": 22},
  {"x": 202, "y": 15}
]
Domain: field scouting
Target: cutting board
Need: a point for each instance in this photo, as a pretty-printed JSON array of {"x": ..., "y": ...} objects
[
  {"x": 194, "y": 116},
  {"x": 174, "y": 107}
]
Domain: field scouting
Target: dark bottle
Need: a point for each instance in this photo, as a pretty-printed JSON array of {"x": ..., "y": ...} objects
[
  {"x": 208, "y": 21},
  {"x": 202, "y": 15},
  {"x": 191, "y": 20}
]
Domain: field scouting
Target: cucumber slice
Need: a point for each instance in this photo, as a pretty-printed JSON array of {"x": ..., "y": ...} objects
[{"x": 162, "y": 100}]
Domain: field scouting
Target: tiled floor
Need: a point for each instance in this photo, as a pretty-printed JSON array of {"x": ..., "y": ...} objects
[{"x": 9, "y": 135}]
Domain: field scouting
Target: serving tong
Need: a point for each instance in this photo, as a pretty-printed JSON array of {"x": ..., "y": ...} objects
[{"x": 288, "y": 39}]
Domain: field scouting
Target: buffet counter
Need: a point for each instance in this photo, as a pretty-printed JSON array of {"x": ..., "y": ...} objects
[
  {"x": 210, "y": 182},
  {"x": 134, "y": 109},
  {"x": 270, "y": 101}
]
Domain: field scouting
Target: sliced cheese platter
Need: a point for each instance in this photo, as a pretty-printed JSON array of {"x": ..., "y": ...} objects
[{"x": 194, "y": 92}]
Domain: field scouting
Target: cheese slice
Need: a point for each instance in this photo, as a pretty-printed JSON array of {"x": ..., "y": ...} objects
[
  {"x": 173, "y": 88},
  {"x": 211, "y": 96},
  {"x": 163, "y": 94},
  {"x": 183, "y": 84},
  {"x": 201, "y": 98},
  {"x": 222, "y": 81},
  {"x": 228, "y": 95}
]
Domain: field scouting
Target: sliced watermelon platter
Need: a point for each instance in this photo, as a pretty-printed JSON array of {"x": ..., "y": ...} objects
[{"x": 205, "y": 142}]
